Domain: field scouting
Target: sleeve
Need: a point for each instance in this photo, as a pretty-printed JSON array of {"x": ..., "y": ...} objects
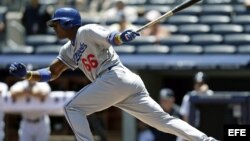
[
  {"x": 65, "y": 58},
  {"x": 3, "y": 88},
  {"x": 17, "y": 87},
  {"x": 184, "y": 109},
  {"x": 98, "y": 35},
  {"x": 42, "y": 87}
]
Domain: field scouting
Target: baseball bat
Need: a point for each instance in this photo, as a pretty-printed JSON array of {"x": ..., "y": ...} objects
[{"x": 176, "y": 9}]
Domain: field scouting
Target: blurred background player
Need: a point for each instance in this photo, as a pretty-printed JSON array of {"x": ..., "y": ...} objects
[
  {"x": 167, "y": 102},
  {"x": 122, "y": 24},
  {"x": 35, "y": 125},
  {"x": 119, "y": 7},
  {"x": 157, "y": 30},
  {"x": 3, "y": 91},
  {"x": 35, "y": 17},
  {"x": 200, "y": 88}
]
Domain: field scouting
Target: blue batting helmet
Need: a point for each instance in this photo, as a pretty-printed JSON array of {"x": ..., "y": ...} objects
[{"x": 67, "y": 17}]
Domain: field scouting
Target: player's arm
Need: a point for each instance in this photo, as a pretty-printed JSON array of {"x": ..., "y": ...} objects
[{"x": 42, "y": 75}]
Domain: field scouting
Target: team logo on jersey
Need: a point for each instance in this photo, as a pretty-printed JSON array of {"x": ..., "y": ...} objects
[{"x": 79, "y": 52}]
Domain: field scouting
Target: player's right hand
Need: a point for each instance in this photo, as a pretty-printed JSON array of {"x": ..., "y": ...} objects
[
  {"x": 18, "y": 69},
  {"x": 128, "y": 35}
]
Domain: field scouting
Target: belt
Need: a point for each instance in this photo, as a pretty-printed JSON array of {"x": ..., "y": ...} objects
[{"x": 33, "y": 120}]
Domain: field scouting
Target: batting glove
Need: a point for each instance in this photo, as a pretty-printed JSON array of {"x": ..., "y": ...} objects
[
  {"x": 128, "y": 35},
  {"x": 18, "y": 69}
]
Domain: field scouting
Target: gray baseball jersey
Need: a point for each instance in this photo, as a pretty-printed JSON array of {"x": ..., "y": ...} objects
[
  {"x": 91, "y": 52},
  {"x": 112, "y": 85}
]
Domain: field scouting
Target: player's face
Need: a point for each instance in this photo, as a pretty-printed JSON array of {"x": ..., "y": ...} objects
[{"x": 60, "y": 32}]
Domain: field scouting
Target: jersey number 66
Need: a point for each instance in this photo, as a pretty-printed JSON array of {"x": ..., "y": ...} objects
[{"x": 90, "y": 62}]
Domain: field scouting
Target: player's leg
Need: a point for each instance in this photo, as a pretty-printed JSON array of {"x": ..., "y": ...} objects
[
  {"x": 43, "y": 129},
  {"x": 106, "y": 91},
  {"x": 147, "y": 110},
  {"x": 25, "y": 131}
]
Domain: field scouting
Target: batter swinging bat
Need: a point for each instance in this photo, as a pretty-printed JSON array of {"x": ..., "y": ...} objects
[{"x": 178, "y": 8}]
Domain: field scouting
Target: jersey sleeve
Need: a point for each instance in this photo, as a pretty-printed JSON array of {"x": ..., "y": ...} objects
[
  {"x": 98, "y": 35},
  {"x": 42, "y": 88},
  {"x": 3, "y": 88},
  {"x": 65, "y": 58},
  {"x": 184, "y": 109},
  {"x": 17, "y": 87}
]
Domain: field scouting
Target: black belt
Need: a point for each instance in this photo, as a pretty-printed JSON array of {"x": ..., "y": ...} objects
[{"x": 33, "y": 120}]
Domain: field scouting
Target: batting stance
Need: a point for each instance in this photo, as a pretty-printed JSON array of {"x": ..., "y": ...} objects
[{"x": 90, "y": 49}]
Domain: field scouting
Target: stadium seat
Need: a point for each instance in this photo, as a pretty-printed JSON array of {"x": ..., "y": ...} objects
[
  {"x": 193, "y": 10},
  {"x": 47, "y": 49},
  {"x": 247, "y": 28},
  {"x": 182, "y": 19},
  {"x": 241, "y": 19},
  {"x": 167, "y": 2},
  {"x": 227, "y": 28},
  {"x": 217, "y": 1},
  {"x": 21, "y": 49},
  {"x": 175, "y": 39},
  {"x": 37, "y": 40},
  {"x": 135, "y": 2},
  {"x": 219, "y": 49},
  {"x": 240, "y": 9},
  {"x": 143, "y": 40},
  {"x": 217, "y": 9},
  {"x": 172, "y": 28},
  {"x": 214, "y": 19},
  {"x": 186, "y": 49},
  {"x": 243, "y": 49},
  {"x": 206, "y": 39},
  {"x": 237, "y": 39},
  {"x": 193, "y": 29},
  {"x": 125, "y": 49},
  {"x": 152, "y": 49}
]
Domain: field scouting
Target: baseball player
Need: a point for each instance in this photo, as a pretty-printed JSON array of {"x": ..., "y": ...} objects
[
  {"x": 90, "y": 49},
  {"x": 3, "y": 91},
  {"x": 35, "y": 125}
]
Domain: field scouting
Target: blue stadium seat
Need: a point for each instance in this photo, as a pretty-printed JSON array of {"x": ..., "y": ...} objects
[
  {"x": 247, "y": 28},
  {"x": 37, "y": 40},
  {"x": 206, "y": 39},
  {"x": 217, "y": 9},
  {"x": 125, "y": 49},
  {"x": 193, "y": 29},
  {"x": 136, "y": 2},
  {"x": 237, "y": 39},
  {"x": 47, "y": 49},
  {"x": 193, "y": 10},
  {"x": 243, "y": 49},
  {"x": 227, "y": 28},
  {"x": 182, "y": 19},
  {"x": 167, "y": 2},
  {"x": 175, "y": 39},
  {"x": 21, "y": 49},
  {"x": 219, "y": 49},
  {"x": 217, "y": 1},
  {"x": 172, "y": 28},
  {"x": 152, "y": 49},
  {"x": 143, "y": 40},
  {"x": 241, "y": 19},
  {"x": 214, "y": 19},
  {"x": 186, "y": 49},
  {"x": 240, "y": 9}
]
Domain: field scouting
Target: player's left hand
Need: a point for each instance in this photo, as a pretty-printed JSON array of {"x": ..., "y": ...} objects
[
  {"x": 128, "y": 35},
  {"x": 18, "y": 69}
]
